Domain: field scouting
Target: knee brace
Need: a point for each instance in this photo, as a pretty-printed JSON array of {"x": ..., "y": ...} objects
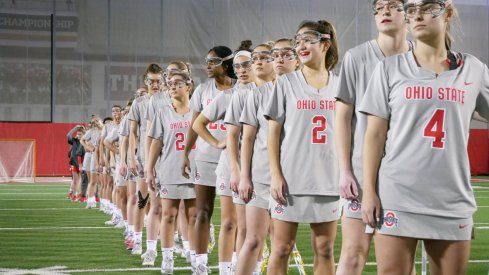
[{"x": 142, "y": 201}]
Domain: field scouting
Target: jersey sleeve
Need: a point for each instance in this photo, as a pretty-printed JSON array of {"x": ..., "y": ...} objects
[
  {"x": 134, "y": 112},
  {"x": 88, "y": 135},
  {"x": 482, "y": 103},
  {"x": 196, "y": 100},
  {"x": 217, "y": 109},
  {"x": 124, "y": 128},
  {"x": 235, "y": 108},
  {"x": 347, "y": 80},
  {"x": 275, "y": 109},
  {"x": 104, "y": 131},
  {"x": 376, "y": 99},
  {"x": 250, "y": 110},
  {"x": 156, "y": 130}
]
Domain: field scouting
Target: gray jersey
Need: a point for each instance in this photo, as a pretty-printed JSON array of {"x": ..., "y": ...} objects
[
  {"x": 92, "y": 137},
  {"x": 216, "y": 111},
  {"x": 357, "y": 67},
  {"x": 125, "y": 127},
  {"x": 425, "y": 169},
  {"x": 235, "y": 108},
  {"x": 253, "y": 114},
  {"x": 171, "y": 128},
  {"x": 203, "y": 95},
  {"x": 307, "y": 148},
  {"x": 156, "y": 102},
  {"x": 138, "y": 109},
  {"x": 113, "y": 135}
]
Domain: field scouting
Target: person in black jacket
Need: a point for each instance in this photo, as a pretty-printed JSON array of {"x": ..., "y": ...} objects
[{"x": 75, "y": 154}]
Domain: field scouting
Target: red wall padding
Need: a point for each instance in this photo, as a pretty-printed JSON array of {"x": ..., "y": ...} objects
[
  {"x": 52, "y": 146},
  {"x": 479, "y": 151}
]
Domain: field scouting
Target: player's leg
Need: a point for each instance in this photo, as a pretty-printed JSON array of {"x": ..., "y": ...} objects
[
  {"x": 169, "y": 209},
  {"x": 142, "y": 199},
  {"x": 257, "y": 224},
  {"x": 355, "y": 245},
  {"x": 205, "y": 196},
  {"x": 227, "y": 233},
  {"x": 402, "y": 249},
  {"x": 448, "y": 257},
  {"x": 131, "y": 212},
  {"x": 284, "y": 234},
  {"x": 154, "y": 222},
  {"x": 323, "y": 237},
  {"x": 183, "y": 228}
]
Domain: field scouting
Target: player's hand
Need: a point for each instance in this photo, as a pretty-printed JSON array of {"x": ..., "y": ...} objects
[
  {"x": 278, "y": 189},
  {"x": 221, "y": 144},
  {"x": 245, "y": 189},
  {"x": 234, "y": 180},
  {"x": 150, "y": 180},
  {"x": 123, "y": 169},
  {"x": 134, "y": 166},
  {"x": 371, "y": 209},
  {"x": 186, "y": 167},
  {"x": 348, "y": 185}
]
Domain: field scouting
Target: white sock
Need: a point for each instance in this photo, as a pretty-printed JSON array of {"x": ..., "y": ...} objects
[
  {"x": 224, "y": 268},
  {"x": 186, "y": 245},
  {"x": 138, "y": 237},
  {"x": 130, "y": 228},
  {"x": 167, "y": 252},
  {"x": 151, "y": 245},
  {"x": 192, "y": 258},
  {"x": 201, "y": 259},
  {"x": 175, "y": 236},
  {"x": 258, "y": 267},
  {"x": 234, "y": 259}
]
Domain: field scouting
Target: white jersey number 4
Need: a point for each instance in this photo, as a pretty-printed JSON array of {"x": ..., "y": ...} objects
[
  {"x": 435, "y": 129},
  {"x": 318, "y": 130}
]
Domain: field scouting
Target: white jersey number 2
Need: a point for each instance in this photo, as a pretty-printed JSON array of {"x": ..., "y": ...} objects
[
  {"x": 318, "y": 130},
  {"x": 434, "y": 129}
]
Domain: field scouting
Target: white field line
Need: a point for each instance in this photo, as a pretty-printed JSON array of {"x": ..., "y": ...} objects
[
  {"x": 20, "y": 193},
  {"x": 64, "y": 270},
  {"x": 55, "y": 228},
  {"x": 40, "y": 209}
]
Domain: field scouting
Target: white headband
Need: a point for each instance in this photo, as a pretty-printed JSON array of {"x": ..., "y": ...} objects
[{"x": 241, "y": 53}]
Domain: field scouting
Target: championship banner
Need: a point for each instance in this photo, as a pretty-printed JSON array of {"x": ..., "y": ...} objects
[{"x": 33, "y": 29}]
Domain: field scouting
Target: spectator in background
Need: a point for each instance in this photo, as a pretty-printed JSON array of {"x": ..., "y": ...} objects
[{"x": 76, "y": 154}]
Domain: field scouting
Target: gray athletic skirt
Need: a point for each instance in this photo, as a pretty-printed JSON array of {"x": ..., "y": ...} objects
[
  {"x": 119, "y": 180},
  {"x": 223, "y": 188},
  {"x": 87, "y": 159},
  {"x": 351, "y": 208},
  {"x": 420, "y": 226},
  {"x": 306, "y": 209},
  {"x": 176, "y": 191},
  {"x": 93, "y": 164},
  {"x": 261, "y": 196},
  {"x": 237, "y": 199},
  {"x": 206, "y": 173}
]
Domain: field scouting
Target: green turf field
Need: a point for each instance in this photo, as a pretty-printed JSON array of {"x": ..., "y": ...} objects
[{"x": 41, "y": 232}]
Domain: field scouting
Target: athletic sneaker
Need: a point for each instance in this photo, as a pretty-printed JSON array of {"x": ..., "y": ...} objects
[
  {"x": 120, "y": 224},
  {"x": 188, "y": 256},
  {"x": 178, "y": 249},
  {"x": 149, "y": 258},
  {"x": 129, "y": 244},
  {"x": 167, "y": 265},
  {"x": 74, "y": 198},
  {"x": 212, "y": 240},
  {"x": 201, "y": 269},
  {"x": 137, "y": 248},
  {"x": 113, "y": 221},
  {"x": 91, "y": 205},
  {"x": 70, "y": 195}
]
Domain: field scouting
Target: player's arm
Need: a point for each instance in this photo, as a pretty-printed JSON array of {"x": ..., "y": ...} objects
[
  {"x": 85, "y": 145},
  {"x": 278, "y": 188},
  {"x": 101, "y": 151},
  {"x": 232, "y": 145},
  {"x": 373, "y": 150},
  {"x": 342, "y": 132},
  {"x": 153, "y": 153},
  {"x": 191, "y": 139},
  {"x": 133, "y": 142},
  {"x": 478, "y": 117},
  {"x": 247, "y": 142},
  {"x": 148, "y": 140},
  {"x": 111, "y": 147},
  {"x": 199, "y": 126},
  {"x": 70, "y": 134},
  {"x": 123, "y": 147}
]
